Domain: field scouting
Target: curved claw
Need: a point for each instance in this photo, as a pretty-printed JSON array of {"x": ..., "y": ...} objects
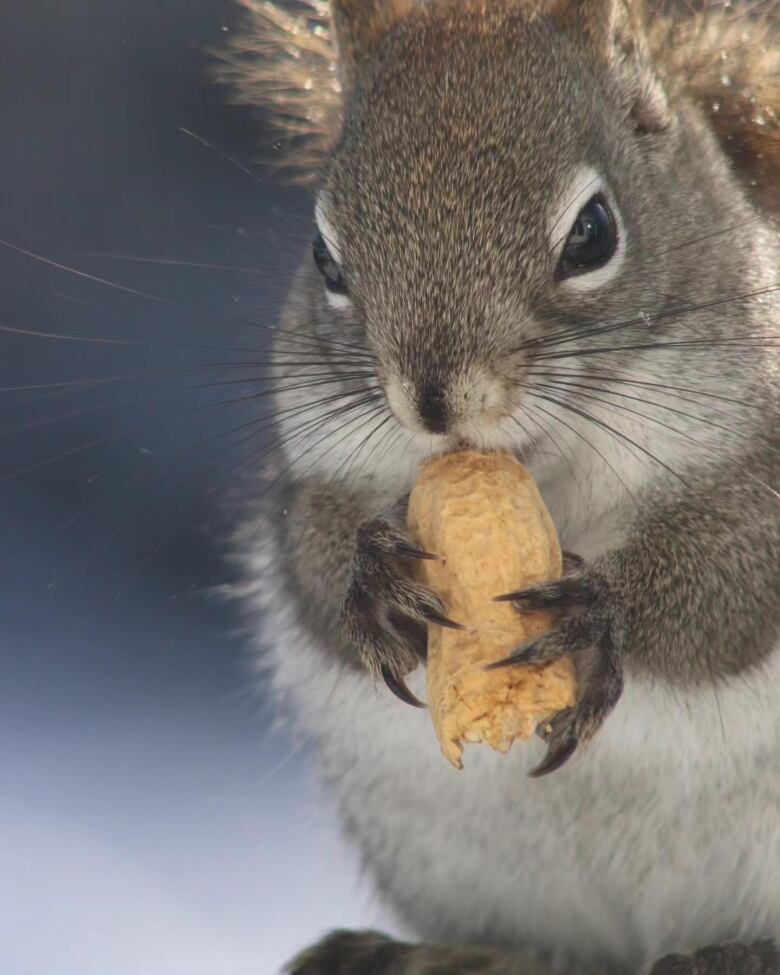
[
  {"x": 414, "y": 553},
  {"x": 557, "y": 756},
  {"x": 572, "y": 563},
  {"x": 398, "y": 686},
  {"x": 504, "y": 662},
  {"x": 433, "y": 617}
]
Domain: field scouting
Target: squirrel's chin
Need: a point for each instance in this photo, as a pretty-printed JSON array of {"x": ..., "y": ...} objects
[{"x": 491, "y": 438}]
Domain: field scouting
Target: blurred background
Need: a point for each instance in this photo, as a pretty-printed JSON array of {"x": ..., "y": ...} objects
[{"x": 151, "y": 821}]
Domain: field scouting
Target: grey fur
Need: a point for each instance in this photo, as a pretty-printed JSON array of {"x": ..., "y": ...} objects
[{"x": 462, "y": 122}]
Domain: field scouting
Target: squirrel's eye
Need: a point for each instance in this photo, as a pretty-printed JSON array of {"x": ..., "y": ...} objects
[
  {"x": 592, "y": 240},
  {"x": 328, "y": 268}
]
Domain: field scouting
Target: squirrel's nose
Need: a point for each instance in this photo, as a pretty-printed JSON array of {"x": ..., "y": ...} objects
[
  {"x": 432, "y": 407},
  {"x": 448, "y": 404}
]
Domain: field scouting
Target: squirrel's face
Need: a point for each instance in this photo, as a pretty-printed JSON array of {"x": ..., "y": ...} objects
[{"x": 495, "y": 198}]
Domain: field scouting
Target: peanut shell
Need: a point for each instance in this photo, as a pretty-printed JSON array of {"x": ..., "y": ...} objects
[{"x": 482, "y": 514}]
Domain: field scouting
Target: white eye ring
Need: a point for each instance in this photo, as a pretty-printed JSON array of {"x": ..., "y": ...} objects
[
  {"x": 333, "y": 299},
  {"x": 586, "y": 184},
  {"x": 337, "y": 301},
  {"x": 325, "y": 227}
]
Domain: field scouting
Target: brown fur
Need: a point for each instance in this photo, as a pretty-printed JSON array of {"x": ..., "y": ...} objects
[
  {"x": 359, "y": 24},
  {"x": 284, "y": 62},
  {"x": 728, "y": 60},
  {"x": 725, "y": 58}
]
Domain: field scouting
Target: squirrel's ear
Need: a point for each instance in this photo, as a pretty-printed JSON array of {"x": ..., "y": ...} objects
[
  {"x": 593, "y": 20},
  {"x": 615, "y": 32},
  {"x": 295, "y": 61},
  {"x": 726, "y": 57},
  {"x": 358, "y": 25}
]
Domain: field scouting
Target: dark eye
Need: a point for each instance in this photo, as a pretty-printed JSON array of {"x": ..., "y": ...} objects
[
  {"x": 591, "y": 242},
  {"x": 328, "y": 268}
]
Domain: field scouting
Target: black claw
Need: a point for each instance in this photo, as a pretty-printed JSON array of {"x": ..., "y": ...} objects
[
  {"x": 413, "y": 633},
  {"x": 511, "y": 661},
  {"x": 532, "y": 597},
  {"x": 572, "y": 562},
  {"x": 433, "y": 617},
  {"x": 398, "y": 686},
  {"x": 557, "y": 756},
  {"x": 414, "y": 553}
]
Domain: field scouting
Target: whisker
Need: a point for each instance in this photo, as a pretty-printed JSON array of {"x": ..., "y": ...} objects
[
  {"x": 136, "y": 513},
  {"x": 291, "y": 334},
  {"x": 221, "y": 152},
  {"x": 168, "y": 261},
  {"x": 600, "y": 328},
  {"x": 95, "y": 381},
  {"x": 349, "y": 461},
  {"x": 740, "y": 344},
  {"x": 324, "y": 378},
  {"x": 581, "y": 436},
  {"x": 701, "y": 239},
  {"x": 618, "y": 409},
  {"x": 96, "y": 340},
  {"x": 80, "y": 274},
  {"x": 568, "y": 460},
  {"x": 64, "y": 416},
  {"x": 308, "y": 448},
  {"x": 112, "y": 437},
  {"x": 579, "y": 411},
  {"x": 617, "y": 435},
  {"x": 625, "y": 380},
  {"x": 649, "y": 402}
]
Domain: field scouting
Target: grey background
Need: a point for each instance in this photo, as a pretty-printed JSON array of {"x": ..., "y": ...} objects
[{"x": 150, "y": 819}]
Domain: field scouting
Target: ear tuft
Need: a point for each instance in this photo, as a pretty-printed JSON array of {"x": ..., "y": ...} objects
[
  {"x": 283, "y": 62},
  {"x": 615, "y": 32},
  {"x": 293, "y": 60},
  {"x": 592, "y": 20}
]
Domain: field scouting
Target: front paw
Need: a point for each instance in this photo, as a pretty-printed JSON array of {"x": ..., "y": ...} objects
[
  {"x": 385, "y": 613},
  {"x": 585, "y": 608},
  {"x": 760, "y": 958}
]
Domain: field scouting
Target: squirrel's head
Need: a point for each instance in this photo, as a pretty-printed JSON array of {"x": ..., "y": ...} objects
[
  {"x": 477, "y": 191},
  {"x": 508, "y": 179}
]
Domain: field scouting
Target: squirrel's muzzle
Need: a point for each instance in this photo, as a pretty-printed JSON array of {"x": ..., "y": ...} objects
[{"x": 430, "y": 405}]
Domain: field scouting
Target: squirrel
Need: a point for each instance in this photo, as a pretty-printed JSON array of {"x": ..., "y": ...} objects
[{"x": 549, "y": 227}]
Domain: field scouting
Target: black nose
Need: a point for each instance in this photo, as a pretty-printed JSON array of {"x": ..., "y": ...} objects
[{"x": 432, "y": 407}]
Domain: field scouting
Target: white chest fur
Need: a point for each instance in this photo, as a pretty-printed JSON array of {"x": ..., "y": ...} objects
[{"x": 664, "y": 834}]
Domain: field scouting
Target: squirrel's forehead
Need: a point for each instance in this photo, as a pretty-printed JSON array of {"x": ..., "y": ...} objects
[
  {"x": 476, "y": 131},
  {"x": 475, "y": 123},
  {"x": 474, "y": 76},
  {"x": 479, "y": 178},
  {"x": 548, "y": 213}
]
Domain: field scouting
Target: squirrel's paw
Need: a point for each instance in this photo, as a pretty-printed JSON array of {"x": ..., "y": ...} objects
[
  {"x": 385, "y": 612},
  {"x": 760, "y": 958},
  {"x": 584, "y": 607},
  {"x": 370, "y": 953},
  {"x": 348, "y": 953}
]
